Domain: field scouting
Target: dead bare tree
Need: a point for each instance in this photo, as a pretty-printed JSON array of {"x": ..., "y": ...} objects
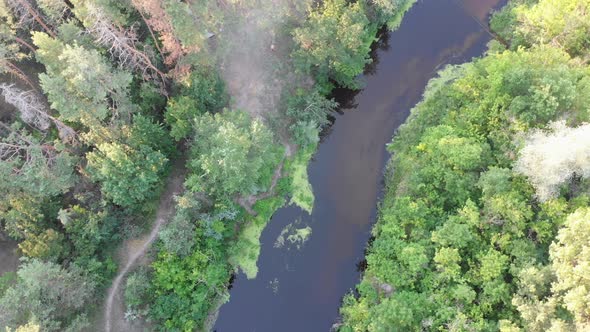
[
  {"x": 158, "y": 20},
  {"x": 57, "y": 11},
  {"x": 32, "y": 111},
  {"x": 24, "y": 152},
  {"x": 122, "y": 45},
  {"x": 9, "y": 67},
  {"x": 11, "y": 46},
  {"x": 27, "y": 15},
  {"x": 23, "y": 43}
]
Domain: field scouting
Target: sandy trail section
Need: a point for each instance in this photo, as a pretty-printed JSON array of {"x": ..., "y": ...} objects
[{"x": 132, "y": 250}]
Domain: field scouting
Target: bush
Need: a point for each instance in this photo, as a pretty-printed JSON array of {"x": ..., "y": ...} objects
[
  {"x": 137, "y": 291},
  {"x": 178, "y": 236}
]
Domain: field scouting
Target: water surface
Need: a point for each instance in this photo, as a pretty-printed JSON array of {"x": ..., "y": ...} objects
[{"x": 301, "y": 289}]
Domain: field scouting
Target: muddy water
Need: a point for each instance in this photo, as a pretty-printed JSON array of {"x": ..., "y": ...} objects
[{"x": 300, "y": 289}]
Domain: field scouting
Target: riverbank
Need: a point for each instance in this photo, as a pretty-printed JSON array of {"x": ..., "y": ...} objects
[
  {"x": 299, "y": 287},
  {"x": 472, "y": 233}
]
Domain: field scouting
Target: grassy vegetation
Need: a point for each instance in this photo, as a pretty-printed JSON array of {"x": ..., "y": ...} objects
[
  {"x": 301, "y": 190},
  {"x": 245, "y": 250}
]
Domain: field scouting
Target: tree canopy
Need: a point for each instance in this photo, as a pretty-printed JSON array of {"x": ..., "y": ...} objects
[{"x": 469, "y": 235}]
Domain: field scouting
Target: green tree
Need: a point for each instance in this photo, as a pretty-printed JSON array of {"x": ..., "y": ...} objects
[
  {"x": 178, "y": 236},
  {"x": 130, "y": 170},
  {"x": 309, "y": 111},
  {"x": 48, "y": 245},
  {"x": 231, "y": 154},
  {"x": 571, "y": 263},
  {"x": 564, "y": 24},
  {"x": 204, "y": 92},
  {"x": 128, "y": 176},
  {"x": 35, "y": 173},
  {"x": 137, "y": 293},
  {"x": 79, "y": 83},
  {"x": 334, "y": 42},
  {"x": 47, "y": 293},
  {"x": 404, "y": 311}
]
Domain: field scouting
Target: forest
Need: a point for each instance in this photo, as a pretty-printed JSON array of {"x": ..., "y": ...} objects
[
  {"x": 485, "y": 223},
  {"x": 145, "y": 145},
  {"x": 118, "y": 113}
]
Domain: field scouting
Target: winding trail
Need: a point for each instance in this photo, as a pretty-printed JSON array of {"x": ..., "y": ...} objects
[{"x": 132, "y": 250}]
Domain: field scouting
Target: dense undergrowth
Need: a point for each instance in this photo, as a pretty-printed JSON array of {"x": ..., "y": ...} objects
[{"x": 484, "y": 223}]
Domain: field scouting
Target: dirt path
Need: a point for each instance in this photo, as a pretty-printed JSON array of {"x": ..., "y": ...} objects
[{"x": 132, "y": 250}]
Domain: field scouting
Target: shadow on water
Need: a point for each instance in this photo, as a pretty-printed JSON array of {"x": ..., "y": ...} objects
[
  {"x": 300, "y": 289},
  {"x": 8, "y": 255}
]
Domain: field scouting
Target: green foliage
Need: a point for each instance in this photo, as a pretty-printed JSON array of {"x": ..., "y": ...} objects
[
  {"x": 116, "y": 11},
  {"x": 129, "y": 172},
  {"x": 54, "y": 9},
  {"x": 128, "y": 175},
  {"x": 570, "y": 261},
  {"x": 85, "y": 229},
  {"x": 39, "y": 170},
  {"x": 231, "y": 154},
  {"x": 7, "y": 279},
  {"x": 46, "y": 292},
  {"x": 404, "y": 310},
  {"x": 78, "y": 82},
  {"x": 137, "y": 293},
  {"x": 458, "y": 227},
  {"x": 309, "y": 111},
  {"x": 389, "y": 12},
  {"x": 178, "y": 236},
  {"x": 243, "y": 253},
  {"x": 35, "y": 174},
  {"x": 184, "y": 24},
  {"x": 184, "y": 287},
  {"x": 204, "y": 91},
  {"x": 180, "y": 114},
  {"x": 564, "y": 24},
  {"x": 301, "y": 190},
  {"x": 334, "y": 42},
  {"x": 47, "y": 245},
  {"x": 148, "y": 97},
  {"x": 146, "y": 132}
]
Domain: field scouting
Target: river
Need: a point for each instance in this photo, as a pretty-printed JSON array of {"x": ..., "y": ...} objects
[{"x": 300, "y": 289}]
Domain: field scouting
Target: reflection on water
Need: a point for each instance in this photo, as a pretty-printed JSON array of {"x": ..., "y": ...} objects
[
  {"x": 479, "y": 8},
  {"x": 347, "y": 173}
]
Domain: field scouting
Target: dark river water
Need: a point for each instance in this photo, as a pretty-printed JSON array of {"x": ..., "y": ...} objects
[
  {"x": 8, "y": 255},
  {"x": 301, "y": 289}
]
